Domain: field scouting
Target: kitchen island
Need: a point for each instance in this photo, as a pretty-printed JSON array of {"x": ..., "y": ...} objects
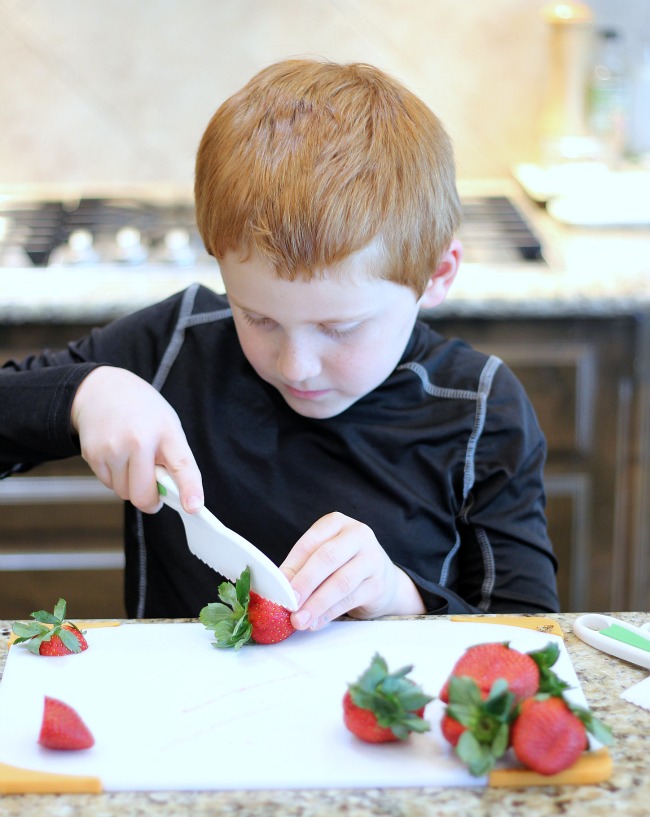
[{"x": 602, "y": 677}]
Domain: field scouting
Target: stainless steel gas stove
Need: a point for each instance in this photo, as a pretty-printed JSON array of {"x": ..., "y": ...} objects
[{"x": 139, "y": 232}]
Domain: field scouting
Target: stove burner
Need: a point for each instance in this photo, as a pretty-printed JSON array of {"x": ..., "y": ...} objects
[
  {"x": 40, "y": 227},
  {"x": 95, "y": 231},
  {"x": 493, "y": 229}
]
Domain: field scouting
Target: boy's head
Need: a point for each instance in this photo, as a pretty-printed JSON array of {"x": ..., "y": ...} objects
[{"x": 311, "y": 161}]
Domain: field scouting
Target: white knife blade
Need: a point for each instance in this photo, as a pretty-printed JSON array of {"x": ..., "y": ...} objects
[{"x": 226, "y": 551}]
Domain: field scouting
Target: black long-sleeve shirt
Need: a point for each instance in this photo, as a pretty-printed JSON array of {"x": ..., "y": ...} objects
[{"x": 443, "y": 460}]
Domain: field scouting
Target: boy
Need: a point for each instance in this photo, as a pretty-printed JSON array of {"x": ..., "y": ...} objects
[{"x": 386, "y": 469}]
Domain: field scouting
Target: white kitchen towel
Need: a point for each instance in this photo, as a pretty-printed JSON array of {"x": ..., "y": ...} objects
[{"x": 638, "y": 694}]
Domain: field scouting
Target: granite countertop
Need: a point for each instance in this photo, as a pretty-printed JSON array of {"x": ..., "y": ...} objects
[
  {"x": 603, "y": 678},
  {"x": 587, "y": 271}
]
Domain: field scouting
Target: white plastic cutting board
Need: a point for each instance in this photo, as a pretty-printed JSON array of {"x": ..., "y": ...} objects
[{"x": 170, "y": 712}]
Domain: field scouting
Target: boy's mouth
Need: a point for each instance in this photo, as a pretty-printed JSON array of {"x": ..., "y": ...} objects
[{"x": 306, "y": 394}]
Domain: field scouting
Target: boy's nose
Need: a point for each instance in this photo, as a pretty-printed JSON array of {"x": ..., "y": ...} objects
[{"x": 298, "y": 361}]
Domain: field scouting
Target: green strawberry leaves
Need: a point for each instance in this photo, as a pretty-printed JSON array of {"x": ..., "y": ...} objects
[
  {"x": 600, "y": 731},
  {"x": 228, "y": 619},
  {"x": 487, "y": 722},
  {"x": 34, "y": 633},
  {"x": 549, "y": 682},
  {"x": 392, "y": 697}
]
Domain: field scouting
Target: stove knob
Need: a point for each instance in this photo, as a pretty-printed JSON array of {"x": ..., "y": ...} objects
[
  {"x": 80, "y": 240},
  {"x": 129, "y": 249},
  {"x": 77, "y": 250},
  {"x": 177, "y": 247}
]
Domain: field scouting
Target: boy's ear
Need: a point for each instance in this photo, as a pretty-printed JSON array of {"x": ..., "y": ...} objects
[{"x": 443, "y": 276}]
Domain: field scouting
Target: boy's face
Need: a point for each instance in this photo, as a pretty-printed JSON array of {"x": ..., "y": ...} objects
[{"x": 322, "y": 343}]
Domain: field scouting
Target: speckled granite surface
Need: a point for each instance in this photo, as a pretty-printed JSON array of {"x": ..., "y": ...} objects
[
  {"x": 603, "y": 678},
  {"x": 587, "y": 272}
]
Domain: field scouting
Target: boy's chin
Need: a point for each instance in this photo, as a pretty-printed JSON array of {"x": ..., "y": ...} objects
[{"x": 318, "y": 410}]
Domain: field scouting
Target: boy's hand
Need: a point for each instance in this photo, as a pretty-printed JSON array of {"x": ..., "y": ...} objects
[
  {"x": 338, "y": 567},
  {"x": 126, "y": 428}
]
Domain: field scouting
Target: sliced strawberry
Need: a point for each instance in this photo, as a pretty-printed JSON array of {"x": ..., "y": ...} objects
[
  {"x": 62, "y": 728},
  {"x": 49, "y": 633},
  {"x": 382, "y": 706},
  {"x": 245, "y": 616}
]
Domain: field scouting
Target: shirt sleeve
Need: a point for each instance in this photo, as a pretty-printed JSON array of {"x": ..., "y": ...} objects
[
  {"x": 507, "y": 561},
  {"x": 36, "y": 394}
]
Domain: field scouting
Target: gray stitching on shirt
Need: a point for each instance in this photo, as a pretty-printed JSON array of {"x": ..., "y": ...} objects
[
  {"x": 178, "y": 335},
  {"x": 484, "y": 386},
  {"x": 449, "y": 558},
  {"x": 487, "y": 588},
  {"x": 185, "y": 320},
  {"x": 469, "y": 472},
  {"x": 432, "y": 389}
]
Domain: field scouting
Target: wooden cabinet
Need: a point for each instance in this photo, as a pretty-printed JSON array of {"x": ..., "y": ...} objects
[
  {"x": 588, "y": 379},
  {"x": 60, "y": 529}
]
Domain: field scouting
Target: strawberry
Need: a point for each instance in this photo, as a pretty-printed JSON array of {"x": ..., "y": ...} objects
[
  {"x": 381, "y": 706},
  {"x": 62, "y": 728},
  {"x": 59, "y": 638},
  {"x": 527, "y": 712},
  {"x": 245, "y": 616},
  {"x": 485, "y": 663},
  {"x": 547, "y": 736}
]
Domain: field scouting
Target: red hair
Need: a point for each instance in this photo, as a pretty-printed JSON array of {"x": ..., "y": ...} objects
[{"x": 312, "y": 160}]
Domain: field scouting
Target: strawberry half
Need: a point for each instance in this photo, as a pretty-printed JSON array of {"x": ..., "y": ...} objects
[
  {"x": 244, "y": 616},
  {"x": 59, "y": 638},
  {"x": 382, "y": 706},
  {"x": 62, "y": 728}
]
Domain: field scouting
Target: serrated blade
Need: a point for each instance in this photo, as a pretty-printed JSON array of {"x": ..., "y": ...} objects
[{"x": 226, "y": 551}]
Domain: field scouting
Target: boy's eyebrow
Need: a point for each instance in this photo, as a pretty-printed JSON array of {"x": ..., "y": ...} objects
[{"x": 346, "y": 319}]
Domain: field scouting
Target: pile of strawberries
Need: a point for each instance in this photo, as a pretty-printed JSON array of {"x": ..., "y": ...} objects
[
  {"x": 499, "y": 698},
  {"x": 496, "y": 698}
]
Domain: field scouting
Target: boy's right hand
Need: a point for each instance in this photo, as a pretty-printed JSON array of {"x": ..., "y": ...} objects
[{"x": 126, "y": 428}]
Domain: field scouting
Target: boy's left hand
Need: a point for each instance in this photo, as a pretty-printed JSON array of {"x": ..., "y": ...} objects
[{"x": 339, "y": 567}]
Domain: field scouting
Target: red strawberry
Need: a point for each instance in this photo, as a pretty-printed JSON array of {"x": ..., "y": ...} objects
[
  {"x": 451, "y": 729},
  {"x": 54, "y": 644},
  {"x": 382, "y": 706},
  {"x": 270, "y": 622},
  {"x": 62, "y": 728},
  {"x": 547, "y": 736},
  {"x": 245, "y": 616},
  {"x": 485, "y": 663},
  {"x": 59, "y": 638}
]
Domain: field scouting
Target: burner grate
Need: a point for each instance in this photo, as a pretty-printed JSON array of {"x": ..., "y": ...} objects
[{"x": 493, "y": 230}]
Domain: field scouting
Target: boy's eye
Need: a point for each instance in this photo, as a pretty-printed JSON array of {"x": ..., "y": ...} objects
[
  {"x": 340, "y": 330},
  {"x": 255, "y": 320}
]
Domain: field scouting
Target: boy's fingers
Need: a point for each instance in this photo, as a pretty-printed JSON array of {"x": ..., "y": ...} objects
[
  {"x": 324, "y": 529},
  {"x": 186, "y": 475}
]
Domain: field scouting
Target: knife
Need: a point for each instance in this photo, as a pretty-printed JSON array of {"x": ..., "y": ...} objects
[{"x": 226, "y": 551}]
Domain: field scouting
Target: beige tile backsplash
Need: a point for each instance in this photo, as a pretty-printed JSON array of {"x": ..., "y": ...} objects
[{"x": 95, "y": 91}]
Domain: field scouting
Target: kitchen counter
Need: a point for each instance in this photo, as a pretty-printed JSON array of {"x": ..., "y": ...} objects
[
  {"x": 586, "y": 271},
  {"x": 603, "y": 678}
]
